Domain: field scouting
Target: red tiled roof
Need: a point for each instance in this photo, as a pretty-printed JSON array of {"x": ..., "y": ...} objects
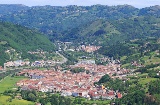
[{"x": 119, "y": 95}]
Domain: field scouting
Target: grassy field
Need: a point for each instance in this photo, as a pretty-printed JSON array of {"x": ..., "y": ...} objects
[
  {"x": 9, "y": 83},
  {"x": 123, "y": 58},
  {"x": 126, "y": 65},
  {"x": 6, "y": 100},
  {"x": 90, "y": 102},
  {"x": 142, "y": 75},
  {"x": 144, "y": 81},
  {"x": 99, "y": 102},
  {"x": 42, "y": 68}
]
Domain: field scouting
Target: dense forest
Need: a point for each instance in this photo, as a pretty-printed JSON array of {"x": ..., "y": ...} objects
[{"x": 96, "y": 24}]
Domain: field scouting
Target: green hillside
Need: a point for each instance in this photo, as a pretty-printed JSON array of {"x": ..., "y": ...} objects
[
  {"x": 11, "y": 8},
  {"x": 96, "y": 32},
  {"x": 102, "y": 25},
  {"x": 135, "y": 53},
  {"x": 21, "y": 40},
  {"x": 105, "y": 32},
  {"x": 59, "y": 18},
  {"x": 98, "y": 24}
]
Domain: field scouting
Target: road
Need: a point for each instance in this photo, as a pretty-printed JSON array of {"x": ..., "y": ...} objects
[{"x": 64, "y": 59}]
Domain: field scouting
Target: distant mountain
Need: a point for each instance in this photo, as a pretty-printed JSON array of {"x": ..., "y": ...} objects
[
  {"x": 21, "y": 40},
  {"x": 150, "y": 11},
  {"x": 92, "y": 24},
  {"x": 48, "y": 18},
  {"x": 53, "y": 20},
  {"x": 12, "y": 8},
  {"x": 103, "y": 32},
  {"x": 96, "y": 32}
]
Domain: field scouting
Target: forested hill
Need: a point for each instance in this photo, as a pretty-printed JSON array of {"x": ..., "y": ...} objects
[
  {"x": 103, "y": 32},
  {"x": 21, "y": 40},
  {"x": 98, "y": 23},
  {"x": 47, "y": 18},
  {"x": 13, "y": 8}
]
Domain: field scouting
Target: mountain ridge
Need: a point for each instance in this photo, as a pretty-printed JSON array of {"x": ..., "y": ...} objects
[{"x": 57, "y": 21}]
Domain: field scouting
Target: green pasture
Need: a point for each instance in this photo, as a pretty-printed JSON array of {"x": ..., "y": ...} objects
[
  {"x": 144, "y": 81},
  {"x": 7, "y": 100},
  {"x": 9, "y": 83}
]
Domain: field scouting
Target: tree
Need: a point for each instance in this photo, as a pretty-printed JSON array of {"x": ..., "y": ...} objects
[
  {"x": 154, "y": 87},
  {"x": 44, "y": 101},
  {"x": 104, "y": 79},
  {"x": 31, "y": 97}
]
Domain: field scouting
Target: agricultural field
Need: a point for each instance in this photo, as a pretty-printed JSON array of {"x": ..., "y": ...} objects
[
  {"x": 7, "y": 100},
  {"x": 144, "y": 81},
  {"x": 99, "y": 102},
  {"x": 9, "y": 83}
]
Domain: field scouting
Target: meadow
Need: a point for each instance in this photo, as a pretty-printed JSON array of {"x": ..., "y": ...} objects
[
  {"x": 9, "y": 83},
  {"x": 7, "y": 100}
]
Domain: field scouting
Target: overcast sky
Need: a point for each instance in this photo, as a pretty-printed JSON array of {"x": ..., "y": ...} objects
[{"x": 136, "y": 3}]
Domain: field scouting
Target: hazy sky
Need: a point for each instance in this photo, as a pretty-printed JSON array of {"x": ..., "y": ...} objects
[{"x": 136, "y": 3}]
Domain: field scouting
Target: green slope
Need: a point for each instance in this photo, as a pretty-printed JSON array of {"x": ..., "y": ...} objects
[
  {"x": 22, "y": 40},
  {"x": 97, "y": 32},
  {"x": 105, "y": 32},
  {"x": 142, "y": 51}
]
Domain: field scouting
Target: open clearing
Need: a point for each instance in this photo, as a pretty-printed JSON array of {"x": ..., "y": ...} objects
[
  {"x": 6, "y": 100},
  {"x": 9, "y": 83}
]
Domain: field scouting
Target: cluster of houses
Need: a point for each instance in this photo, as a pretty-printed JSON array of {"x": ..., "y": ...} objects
[
  {"x": 37, "y": 52},
  {"x": 20, "y": 63},
  {"x": 72, "y": 84},
  {"x": 16, "y": 63},
  {"x": 90, "y": 48},
  {"x": 110, "y": 68},
  {"x": 135, "y": 63},
  {"x": 67, "y": 83},
  {"x": 42, "y": 63}
]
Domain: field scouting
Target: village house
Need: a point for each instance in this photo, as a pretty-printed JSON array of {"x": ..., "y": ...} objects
[{"x": 1, "y": 68}]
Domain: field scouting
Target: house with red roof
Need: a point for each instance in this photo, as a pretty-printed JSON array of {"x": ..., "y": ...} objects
[{"x": 119, "y": 95}]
